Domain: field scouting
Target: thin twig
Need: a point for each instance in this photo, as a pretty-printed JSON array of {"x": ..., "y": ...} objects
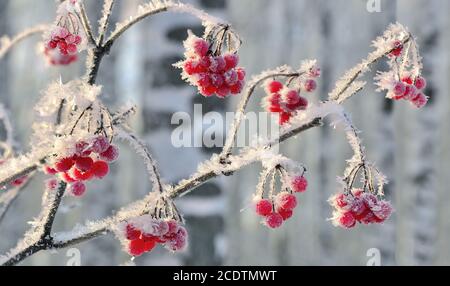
[
  {"x": 104, "y": 21},
  {"x": 7, "y": 44}
]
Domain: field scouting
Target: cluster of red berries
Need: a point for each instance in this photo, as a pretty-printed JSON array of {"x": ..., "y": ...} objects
[
  {"x": 90, "y": 160},
  {"x": 212, "y": 74},
  {"x": 62, "y": 47},
  {"x": 281, "y": 207},
  {"x": 359, "y": 206},
  {"x": 285, "y": 101},
  {"x": 143, "y": 237},
  {"x": 410, "y": 89},
  {"x": 17, "y": 182}
]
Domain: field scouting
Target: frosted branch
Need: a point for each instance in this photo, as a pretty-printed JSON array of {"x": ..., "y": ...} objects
[
  {"x": 6, "y": 43},
  {"x": 104, "y": 20}
]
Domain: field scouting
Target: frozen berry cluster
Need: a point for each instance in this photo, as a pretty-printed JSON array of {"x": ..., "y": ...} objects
[
  {"x": 88, "y": 161},
  {"x": 359, "y": 206},
  {"x": 62, "y": 47},
  {"x": 211, "y": 74},
  {"x": 279, "y": 208},
  {"x": 411, "y": 89},
  {"x": 146, "y": 232},
  {"x": 286, "y": 101}
]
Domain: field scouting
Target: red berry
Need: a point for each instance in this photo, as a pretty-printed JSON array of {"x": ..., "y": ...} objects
[
  {"x": 173, "y": 227},
  {"x": 263, "y": 207},
  {"x": 208, "y": 90},
  {"x": 67, "y": 178},
  {"x": 223, "y": 91},
  {"x": 299, "y": 184},
  {"x": 231, "y": 77},
  {"x": 398, "y": 48},
  {"x": 340, "y": 201},
  {"x": 51, "y": 184},
  {"x": 274, "y": 220},
  {"x": 310, "y": 85},
  {"x": 50, "y": 170},
  {"x": 18, "y": 182},
  {"x": 80, "y": 175},
  {"x": 111, "y": 154},
  {"x": 78, "y": 189},
  {"x": 286, "y": 201},
  {"x": 359, "y": 208},
  {"x": 284, "y": 117},
  {"x": 217, "y": 79},
  {"x": 132, "y": 233},
  {"x": 64, "y": 164},
  {"x": 52, "y": 44},
  {"x": 274, "y": 86},
  {"x": 347, "y": 220},
  {"x": 292, "y": 97},
  {"x": 178, "y": 243},
  {"x": 100, "y": 169},
  {"x": 241, "y": 73},
  {"x": 231, "y": 61},
  {"x": 189, "y": 67},
  {"x": 100, "y": 144},
  {"x": 285, "y": 214},
  {"x": 383, "y": 210},
  {"x": 201, "y": 47},
  {"x": 399, "y": 89},
  {"x": 84, "y": 163},
  {"x": 136, "y": 247},
  {"x": 149, "y": 245},
  {"x": 407, "y": 79},
  {"x": 237, "y": 88},
  {"x": 77, "y": 40},
  {"x": 71, "y": 48},
  {"x": 218, "y": 64},
  {"x": 302, "y": 103},
  {"x": 420, "y": 83},
  {"x": 410, "y": 92},
  {"x": 420, "y": 100},
  {"x": 203, "y": 79}
]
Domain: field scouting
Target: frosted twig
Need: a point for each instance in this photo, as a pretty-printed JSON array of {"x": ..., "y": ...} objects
[
  {"x": 6, "y": 43},
  {"x": 104, "y": 21},
  {"x": 86, "y": 24}
]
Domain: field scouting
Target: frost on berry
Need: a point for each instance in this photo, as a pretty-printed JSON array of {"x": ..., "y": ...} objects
[
  {"x": 100, "y": 144},
  {"x": 263, "y": 207},
  {"x": 111, "y": 154},
  {"x": 77, "y": 189},
  {"x": 274, "y": 220},
  {"x": 66, "y": 37},
  {"x": 100, "y": 169},
  {"x": 51, "y": 184},
  {"x": 286, "y": 201},
  {"x": 212, "y": 73},
  {"x": 299, "y": 184}
]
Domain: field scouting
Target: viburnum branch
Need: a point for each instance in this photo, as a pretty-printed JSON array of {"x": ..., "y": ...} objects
[
  {"x": 86, "y": 24},
  {"x": 7, "y": 43},
  {"x": 104, "y": 21},
  {"x": 8, "y": 197}
]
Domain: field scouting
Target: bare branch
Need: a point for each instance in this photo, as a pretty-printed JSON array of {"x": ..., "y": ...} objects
[
  {"x": 7, "y": 43},
  {"x": 104, "y": 21},
  {"x": 86, "y": 24}
]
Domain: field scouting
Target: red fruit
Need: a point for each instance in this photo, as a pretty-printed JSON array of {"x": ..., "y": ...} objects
[
  {"x": 223, "y": 91},
  {"x": 263, "y": 207},
  {"x": 357, "y": 192},
  {"x": 410, "y": 92},
  {"x": 80, "y": 175},
  {"x": 274, "y": 86},
  {"x": 299, "y": 184},
  {"x": 302, "y": 103},
  {"x": 399, "y": 89},
  {"x": 217, "y": 79},
  {"x": 173, "y": 227},
  {"x": 231, "y": 61},
  {"x": 111, "y": 154},
  {"x": 203, "y": 79},
  {"x": 18, "y": 182},
  {"x": 420, "y": 100},
  {"x": 275, "y": 108},
  {"x": 64, "y": 164},
  {"x": 208, "y": 90},
  {"x": 284, "y": 117},
  {"x": 310, "y": 85},
  {"x": 178, "y": 243},
  {"x": 347, "y": 220},
  {"x": 286, "y": 201},
  {"x": 340, "y": 200},
  {"x": 51, "y": 184},
  {"x": 84, "y": 163},
  {"x": 237, "y": 88},
  {"x": 52, "y": 44},
  {"x": 100, "y": 169},
  {"x": 231, "y": 77},
  {"x": 149, "y": 245},
  {"x": 62, "y": 46},
  {"x": 78, "y": 189},
  {"x": 72, "y": 49},
  {"x": 77, "y": 40},
  {"x": 149, "y": 237},
  {"x": 285, "y": 214},
  {"x": 369, "y": 218},
  {"x": 100, "y": 144},
  {"x": 420, "y": 83},
  {"x": 359, "y": 209},
  {"x": 201, "y": 47},
  {"x": 407, "y": 79},
  {"x": 292, "y": 97},
  {"x": 383, "y": 210},
  {"x": 190, "y": 67},
  {"x": 218, "y": 64},
  {"x": 241, "y": 73},
  {"x": 398, "y": 48},
  {"x": 204, "y": 64},
  {"x": 132, "y": 233},
  {"x": 136, "y": 247},
  {"x": 274, "y": 220},
  {"x": 67, "y": 178},
  {"x": 50, "y": 170}
]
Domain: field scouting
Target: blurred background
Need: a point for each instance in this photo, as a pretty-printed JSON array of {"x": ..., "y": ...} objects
[{"x": 410, "y": 146}]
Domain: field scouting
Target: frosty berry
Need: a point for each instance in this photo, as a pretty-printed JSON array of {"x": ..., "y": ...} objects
[
  {"x": 89, "y": 160},
  {"x": 359, "y": 206},
  {"x": 213, "y": 74}
]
